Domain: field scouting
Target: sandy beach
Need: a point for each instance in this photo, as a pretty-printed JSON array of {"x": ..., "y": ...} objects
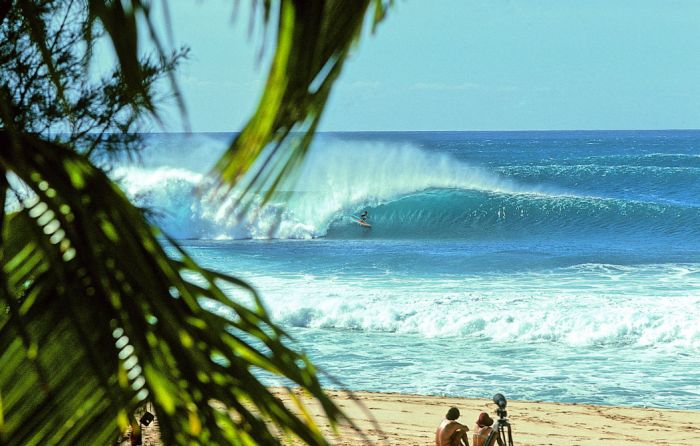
[
  {"x": 411, "y": 420},
  {"x": 397, "y": 419}
]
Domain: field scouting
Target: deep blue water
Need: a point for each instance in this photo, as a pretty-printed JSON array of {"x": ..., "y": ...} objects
[{"x": 558, "y": 266}]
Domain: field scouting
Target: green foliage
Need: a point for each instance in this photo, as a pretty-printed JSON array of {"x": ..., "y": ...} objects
[
  {"x": 95, "y": 317},
  {"x": 101, "y": 319},
  {"x": 53, "y": 95}
]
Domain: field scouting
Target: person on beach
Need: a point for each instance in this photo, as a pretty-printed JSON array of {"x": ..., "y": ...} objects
[
  {"x": 482, "y": 430},
  {"x": 450, "y": 432}
]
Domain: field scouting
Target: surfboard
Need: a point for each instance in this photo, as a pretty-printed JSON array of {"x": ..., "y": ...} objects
[{"x": 360, "y": 222}]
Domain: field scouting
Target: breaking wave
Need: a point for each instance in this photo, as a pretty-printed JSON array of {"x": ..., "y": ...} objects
[{"x": 409, "y": 193}]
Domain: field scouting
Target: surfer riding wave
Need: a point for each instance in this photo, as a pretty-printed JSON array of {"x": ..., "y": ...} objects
[{"x": 362, "y": 219}]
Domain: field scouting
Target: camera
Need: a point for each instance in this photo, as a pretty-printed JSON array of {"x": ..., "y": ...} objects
[
  {"x": 501, "y": 429},
  {"x": 501, "y": 402}
]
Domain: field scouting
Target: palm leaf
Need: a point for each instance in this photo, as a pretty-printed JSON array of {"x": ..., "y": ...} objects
[
  {"x": 314, "y": 38},
  {"x": 100, "y": 319},
  {"x": 96, "y": 318},
  {"x": 120, "y": 19}
]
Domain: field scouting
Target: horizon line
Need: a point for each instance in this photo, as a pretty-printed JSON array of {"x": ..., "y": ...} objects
[{"x": 450, "y": 131}]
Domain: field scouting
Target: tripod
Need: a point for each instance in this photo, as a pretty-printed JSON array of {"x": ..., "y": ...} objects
[{"x": 502, "y": 430}]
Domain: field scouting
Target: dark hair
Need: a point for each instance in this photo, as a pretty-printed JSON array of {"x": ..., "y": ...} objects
[{"x": 452, "y": 414}]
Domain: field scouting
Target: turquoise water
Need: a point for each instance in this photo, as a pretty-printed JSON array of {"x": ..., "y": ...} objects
[{"x": 556, "y": 266}]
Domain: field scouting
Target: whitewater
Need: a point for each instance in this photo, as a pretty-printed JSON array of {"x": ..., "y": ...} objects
[{"x": 556, "y": 266}]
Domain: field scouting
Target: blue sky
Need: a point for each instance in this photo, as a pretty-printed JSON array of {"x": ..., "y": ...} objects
[{"x": 471, "y": 65}]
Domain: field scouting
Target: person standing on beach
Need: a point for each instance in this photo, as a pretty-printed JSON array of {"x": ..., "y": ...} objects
[
  {"x": 450, "y": 432},
  {"x": 483, "y": 429}
]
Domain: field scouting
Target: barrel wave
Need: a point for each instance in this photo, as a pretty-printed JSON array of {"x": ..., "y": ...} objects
[
  {"x": 411, "y": 192},
  {"x": 469, "y": 214}
]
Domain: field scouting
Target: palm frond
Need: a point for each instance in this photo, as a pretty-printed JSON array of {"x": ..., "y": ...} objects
[
  {"x": 100, "y": 319},
  {"x": 314, "y": 38},
  {"x": 120, "y": 20},
  {"x": 95, "y": 316}
]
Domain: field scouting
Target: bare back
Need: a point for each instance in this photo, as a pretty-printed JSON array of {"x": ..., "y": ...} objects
[{"x": 451, "y": 433}]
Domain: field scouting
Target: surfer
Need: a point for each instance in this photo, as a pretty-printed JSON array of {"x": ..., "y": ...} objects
[{"x": 362, "y": 219}]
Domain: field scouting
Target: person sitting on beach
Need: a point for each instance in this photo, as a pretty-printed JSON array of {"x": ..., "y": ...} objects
[
  {"x": 450, "y": 432},
  {"x": 483, "y": 429}
]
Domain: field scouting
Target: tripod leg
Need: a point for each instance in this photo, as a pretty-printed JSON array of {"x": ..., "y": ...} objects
[
  {"x": 510, "y": 437},
  {"x": 505, "y": 435}
]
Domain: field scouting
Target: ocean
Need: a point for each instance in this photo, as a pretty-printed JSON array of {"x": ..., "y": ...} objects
[{"x": 553, "y": 266}]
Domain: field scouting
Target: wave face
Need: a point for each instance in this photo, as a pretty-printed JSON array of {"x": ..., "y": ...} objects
[
  {"x": 475, "y": 190},
  {"x": 473, "y": 214}
]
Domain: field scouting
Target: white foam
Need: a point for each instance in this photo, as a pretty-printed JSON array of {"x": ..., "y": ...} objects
[{"x": 621, "y": 309}]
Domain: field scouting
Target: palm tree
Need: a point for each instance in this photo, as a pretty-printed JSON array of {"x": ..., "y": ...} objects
[{"x": 95, "y": 318}]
